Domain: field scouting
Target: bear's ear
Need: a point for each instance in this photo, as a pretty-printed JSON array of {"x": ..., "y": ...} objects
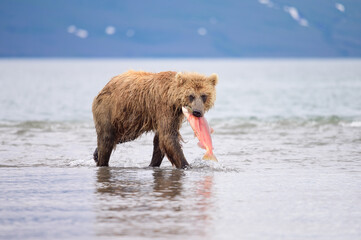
[
  {"x": 179, "y": 79},
  {"x": 213, "y": 78}
]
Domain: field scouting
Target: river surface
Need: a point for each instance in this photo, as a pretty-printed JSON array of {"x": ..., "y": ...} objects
[{"x": 287, "y": 137}]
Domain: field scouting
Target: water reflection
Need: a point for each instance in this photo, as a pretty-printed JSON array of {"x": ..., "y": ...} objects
[
  {"x": 152, "y": 203},
  {"x": 168, "y": 184},
  {"x": 204, "y": 189}
]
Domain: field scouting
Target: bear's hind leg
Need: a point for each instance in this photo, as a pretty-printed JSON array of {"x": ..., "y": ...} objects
[
  {"x": 95, "y": 155},
  {"x": 106, "y": 143},
  {"x": 104, "y": 152},
  {"x": 158, "y": 155}
]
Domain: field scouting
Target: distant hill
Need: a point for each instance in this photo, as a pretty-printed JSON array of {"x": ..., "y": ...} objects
[{"x": 170, "y": 28}]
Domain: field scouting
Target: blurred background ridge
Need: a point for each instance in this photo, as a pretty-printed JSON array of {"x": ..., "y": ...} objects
[{"x": 160, "y": 28}]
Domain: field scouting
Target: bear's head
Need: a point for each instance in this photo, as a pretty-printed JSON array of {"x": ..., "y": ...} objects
[{"x": 197, "y": 91}]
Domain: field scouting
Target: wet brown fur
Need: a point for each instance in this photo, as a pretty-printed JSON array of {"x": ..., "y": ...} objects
[{"x": 136, "y": 102}]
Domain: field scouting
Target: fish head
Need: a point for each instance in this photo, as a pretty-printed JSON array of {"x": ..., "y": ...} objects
[{"x": 187, "y": 111}]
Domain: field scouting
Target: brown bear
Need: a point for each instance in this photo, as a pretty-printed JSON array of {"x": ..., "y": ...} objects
[{"x": 136, "y": 102}]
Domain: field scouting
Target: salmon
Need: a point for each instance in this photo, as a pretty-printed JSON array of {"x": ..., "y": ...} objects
[{"x": 202, "y": 131}]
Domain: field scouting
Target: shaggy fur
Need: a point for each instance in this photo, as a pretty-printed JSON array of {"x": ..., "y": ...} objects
[{"x": 134, "y": 102}]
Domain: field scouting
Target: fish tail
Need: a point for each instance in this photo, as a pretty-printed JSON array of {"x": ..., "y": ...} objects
[{"x": 210, "y": 156}]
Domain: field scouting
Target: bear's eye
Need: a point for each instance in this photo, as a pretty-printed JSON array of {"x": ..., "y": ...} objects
[
  {"x": 204, "y": 98},
  {"x": 191, "y": 98}
]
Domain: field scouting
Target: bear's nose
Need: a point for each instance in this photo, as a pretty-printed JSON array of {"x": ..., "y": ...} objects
[{"x": 197, "y": 113}]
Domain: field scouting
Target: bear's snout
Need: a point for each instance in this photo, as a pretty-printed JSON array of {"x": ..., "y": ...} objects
[
  {"x": 197, "y": 113},
  {"x": 197, "y": 107}
]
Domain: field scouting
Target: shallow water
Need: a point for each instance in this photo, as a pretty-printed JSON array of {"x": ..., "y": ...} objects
[{"x": 287, "y": 137}]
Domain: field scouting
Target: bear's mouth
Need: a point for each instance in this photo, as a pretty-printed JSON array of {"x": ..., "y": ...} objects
[
  {"x": 186, "y": 110},
  {"x": 189, "y": 111}
]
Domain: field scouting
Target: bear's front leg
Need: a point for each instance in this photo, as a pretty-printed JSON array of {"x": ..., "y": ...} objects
[
  {"x": 169, "y": 144},
  {"x": 158, "y": 155}
]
